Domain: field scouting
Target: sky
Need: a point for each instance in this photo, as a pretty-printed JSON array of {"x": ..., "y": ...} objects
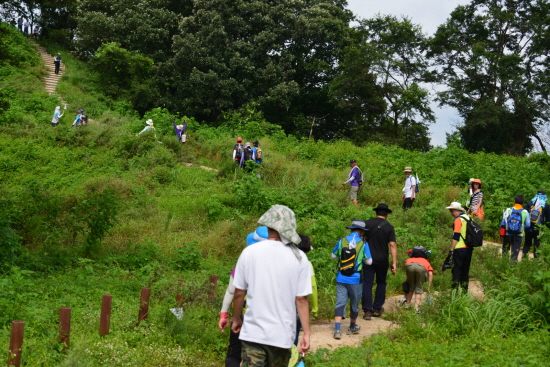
[{"x": 429, "y": 14}]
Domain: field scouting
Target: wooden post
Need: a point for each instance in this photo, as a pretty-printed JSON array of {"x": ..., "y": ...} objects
[
  {"x": 16, "y": 343},
  {"x": 144, "y": 304},
  {"x": 180, "y": 298},
  {"x": 213, "y": 285},
  {"x": 105, "y": 317},
  {"x": 64, "y": 326}
]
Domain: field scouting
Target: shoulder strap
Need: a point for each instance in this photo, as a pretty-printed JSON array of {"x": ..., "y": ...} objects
[{"x": 377, "y": 228}]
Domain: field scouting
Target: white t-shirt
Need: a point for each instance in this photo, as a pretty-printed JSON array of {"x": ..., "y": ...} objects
[
  {"x": 273, "y": 278},
  {"x": 410, "y": 181}
]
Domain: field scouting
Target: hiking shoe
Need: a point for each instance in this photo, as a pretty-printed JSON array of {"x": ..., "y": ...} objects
[
  {"x": 402, "y": 301},
  {"x": 337, "y": 334},
  {"x": 407, "y": 306},
  {"x": 378, "y": 312},
  {"x": 367, "y": 315},
  {"x": 353, "y": 331},
  {"x": 418, "y": 311}
]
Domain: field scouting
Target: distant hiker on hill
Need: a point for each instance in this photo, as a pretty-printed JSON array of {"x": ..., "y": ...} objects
[
  {"x": 276, "y": 276},
  {"x": 180, "y": 131},
  {"x": 238, "y": 151},
  {"x": 352, "y": 252},
  {"x": 418, "y": 269},
  {"x": 539, "y": 215},
  {"x": 56, "y": 116},
  {"x": 305, "y": 246},
  {"x": 409, "y": 191},
  {"x": 78, "y": 119},
  {"x": 515, "y": 221},
  {"x": 20, "y": 22},
  {"x": 381, "y": 242},
  {"x": 476, "y": 200},
  {"x": 57, "y": 63},
  {"x": 233, "y": 356},
  {"x": 459, "y": 251},
  {"x": 355, "y": 180},
  {"x": 248, "y": 156},
  {"x": 148, "y": 127},
  {"x": 26, "y": 27},
  {"x": 258, "y": 153}
]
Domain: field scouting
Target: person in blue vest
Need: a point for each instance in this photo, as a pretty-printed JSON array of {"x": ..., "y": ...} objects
[
  {"x": 539, "y": 213},
  {"x": 514, "y": 223},
  {"x": 352, "y": 252}
]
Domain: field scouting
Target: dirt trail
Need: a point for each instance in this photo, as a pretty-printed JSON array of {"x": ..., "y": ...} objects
[{"x": 499, "y": 245}]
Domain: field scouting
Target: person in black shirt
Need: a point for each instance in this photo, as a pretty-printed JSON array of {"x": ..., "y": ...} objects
[{"x": 381, "y": 238}]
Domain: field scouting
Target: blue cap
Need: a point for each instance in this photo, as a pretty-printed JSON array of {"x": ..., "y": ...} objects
[{"x": 260, "y": 234}]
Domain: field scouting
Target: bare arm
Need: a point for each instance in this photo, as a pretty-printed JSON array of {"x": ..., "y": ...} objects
[
  {"x": 453, "y": 244},
  {"x": 302, "y": 305},
  {"x": 238, "y": 301},
  {"x": 430, "y": 278},
  {"x": 393, "y": 249}
]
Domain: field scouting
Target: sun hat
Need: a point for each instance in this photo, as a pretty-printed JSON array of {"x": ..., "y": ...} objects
[
  {"x": 542, "y": 192},
  {"x": 149, "y": 122},
  {"x": 260, "y": 234},
  {"x": 180, "y": 127},
  {"x": 357, "y": 224},
  {"x": 282, "y": 219},
  {"x": 408, "y": 169},
  {"x": 477, "y": 180},
  {"x": 382, "y": 208},
  {"x": 456, "y": 206},
  {"x": 239, "y": 139},
  {"x": 247, "y": 145},
  {"x": 256, "y": 143}
]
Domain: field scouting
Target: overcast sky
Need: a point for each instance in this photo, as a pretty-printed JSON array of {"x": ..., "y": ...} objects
[{"x": 429, "y": 14}]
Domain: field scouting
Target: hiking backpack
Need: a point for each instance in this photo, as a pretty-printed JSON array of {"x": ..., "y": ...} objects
[
  {"x": 474, "y": 233},
  {"x": 239, "y": 150},
  {"x": 419, "y": 251},
  {"x": 360, "y": 176},
  {"x": 417, "y": 187},
  {"x": 348, "y": 256},
  {"x": 259, "y": 155},
  {"x": 248, "y": 154},
  {"x": 514, "y": 222},
  {"x": 535, "y": 212}
]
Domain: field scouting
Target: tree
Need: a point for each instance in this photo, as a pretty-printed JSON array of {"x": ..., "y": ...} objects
[{"x": 494, "y": 62}]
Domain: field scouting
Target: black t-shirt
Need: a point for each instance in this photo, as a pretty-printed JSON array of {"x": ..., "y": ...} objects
[{"x": 379, "y": 242}]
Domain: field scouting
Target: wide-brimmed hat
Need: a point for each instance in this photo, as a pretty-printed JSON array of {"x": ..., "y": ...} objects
[
  {"x": 408, "y": 169},
  {"x": 247, "y": 145},
  {"x": 260, "y": 234},
  {"x": 149, "y": 122},
  {"x": 357, "y": 224},
  {"x": 456, "y": 206},
  {"x": 282, "y": 219},
  {"x": 382, "y": 208},
  {"x": 477, "y": 180}
]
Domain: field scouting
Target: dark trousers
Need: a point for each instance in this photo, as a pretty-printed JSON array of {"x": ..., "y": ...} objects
[
  {"x": 57, "y": 66},
  {"x": 408, "y": 203},
  {"x": 515, "y": 243},
  {"x": 234, "y": 350},
  {"x": 531, "y": 237},
  {"x": 380, "y": 271},
  {"x": 461, "y": 268}
]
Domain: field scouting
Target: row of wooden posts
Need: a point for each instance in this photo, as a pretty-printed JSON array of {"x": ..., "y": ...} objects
[{"x": 17, "y": 327}]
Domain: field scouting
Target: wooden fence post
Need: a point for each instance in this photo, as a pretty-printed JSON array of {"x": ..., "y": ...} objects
[
  {"x": 16, "y": 343},
  {"x": 105, "y": 317},
  {"x": 144, "y": 304},
  {"x": 213, "y": 285},
  {"x": 180, "y": 298},
  {"x": 65, "y": 326}
]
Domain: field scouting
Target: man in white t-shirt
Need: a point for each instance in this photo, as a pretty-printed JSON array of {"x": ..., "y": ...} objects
[
  {"x": 409, "y": 191},
  {"x": 276, "y": 278}
]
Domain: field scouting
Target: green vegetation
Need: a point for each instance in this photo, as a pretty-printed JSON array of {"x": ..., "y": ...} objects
[{"x": 98, "y": 210}]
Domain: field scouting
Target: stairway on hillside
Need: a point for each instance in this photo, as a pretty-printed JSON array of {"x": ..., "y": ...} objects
[{"x": 52, "y": 78}]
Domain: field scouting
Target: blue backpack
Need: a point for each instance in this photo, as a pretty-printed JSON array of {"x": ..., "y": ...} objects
[{"x": 514, "y": 222}]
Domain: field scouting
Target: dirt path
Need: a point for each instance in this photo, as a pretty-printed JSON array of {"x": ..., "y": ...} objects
[
  {"x": 203, "y": 167},
  {"x": 499, "y": 245}
]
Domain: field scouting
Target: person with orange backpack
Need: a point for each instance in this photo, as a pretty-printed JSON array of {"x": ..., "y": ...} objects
[{"x": 476, "y": 200}]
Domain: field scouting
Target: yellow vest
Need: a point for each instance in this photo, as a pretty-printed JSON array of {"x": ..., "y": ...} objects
[{"x": 461, "y": 243}]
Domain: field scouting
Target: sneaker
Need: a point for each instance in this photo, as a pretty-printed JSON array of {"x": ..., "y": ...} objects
[
  {"x": 418, "y": 311},
  {"x": 337, "y": 334},
  {"x": 407, "y": 306},
  {"x": 353, "y": 331},
  {"x": 367, "y": 315},
  {"x": 378, "y": 312},
  {"x": 402, "y": 301}
]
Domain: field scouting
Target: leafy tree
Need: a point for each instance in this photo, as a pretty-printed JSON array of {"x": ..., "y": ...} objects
[{"x": 494, "y": 62}]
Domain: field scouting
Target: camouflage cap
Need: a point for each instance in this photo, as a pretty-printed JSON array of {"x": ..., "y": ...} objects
[{"x": 283, "y": 220}]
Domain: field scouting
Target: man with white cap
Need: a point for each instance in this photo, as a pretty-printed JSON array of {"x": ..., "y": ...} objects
[
  {"x": 461, "y": 253},
  {"x": 409, "y": 191},
  {"x": 276, "y": 277}
]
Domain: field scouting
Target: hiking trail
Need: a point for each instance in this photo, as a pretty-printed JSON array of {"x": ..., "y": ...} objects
[{"x": 51, "y": 79}]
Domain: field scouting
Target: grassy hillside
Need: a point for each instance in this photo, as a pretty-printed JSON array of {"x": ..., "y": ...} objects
[{"x": 100, "y": 210}]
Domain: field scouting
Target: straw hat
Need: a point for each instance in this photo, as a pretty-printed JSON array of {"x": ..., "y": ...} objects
[
  {"x": 456, "y": 206},
  {"x": 408, "y": 169},
  {"x": 149, "y": 122}
]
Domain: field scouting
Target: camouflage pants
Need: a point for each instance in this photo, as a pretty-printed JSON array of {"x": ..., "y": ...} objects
[{"x": 261, "y": 355}]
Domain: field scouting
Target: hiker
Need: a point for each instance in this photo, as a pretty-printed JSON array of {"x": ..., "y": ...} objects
[
  {"x": 180, "y": 131},
  {"x": 56, "y": 116},
  {"x": 476, "y": 200},
  {"x": 276, "y": 278},
  {"x": 352, "y": 252},
  {"x": 515, "y": 221},
  {"x": 418, "y": 268},
  {"x": 25, "y": 27},
  {"x": 233, "y": 356},
  {"x": 381, "y": 235},
  {"x": 258, "y": 153},
  {"x": 78, "y": 119},
  {"x": 247, "y": 156},
  {"x": 305, "y": 246},
  {"x": 539, "y": 214},
  {"x": 355, "y": 180},
  {"x": 20, "y": 21},
  {"x": 459, "y": 251},
  {"x": 238, "y": 151},
  {"x": 148, "y": 127},
  {"x": 83, "y": 118},
  {"x": 57, "y": 63},
  {"x": 409, "y": 191}
]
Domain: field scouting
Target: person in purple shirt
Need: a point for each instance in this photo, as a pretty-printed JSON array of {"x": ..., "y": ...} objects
[
  {"x": 180, "y": 131},
  {"x": 354, "y": 177}
]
